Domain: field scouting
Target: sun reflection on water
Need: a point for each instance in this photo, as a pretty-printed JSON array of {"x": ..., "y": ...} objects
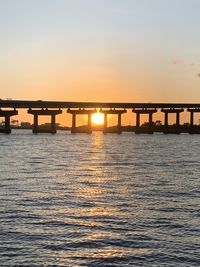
[{"x": 93, "y": 208}]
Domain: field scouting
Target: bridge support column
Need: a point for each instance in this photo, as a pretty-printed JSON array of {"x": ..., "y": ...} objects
[
  {"x": 177, "y": 119},
  {"x": 150, "y": 122},
  {"x": 53, "y": 123},
  {"x": 7, "y": 124},
  {"x": 172, "y": 128},
  {"x": 191, "y": 118},
  {"x": 90, "y": 122},
  {"x": 7, "y": 114},
  {"x": 73, "y": 129},
  {"x": 149, "y": 112},
  {"x": 74, "y": 113},
  {"x": 115, "y": 129},
  {"x": 35, "y": 123},
  {"x": 44, "y": 112},
  {"x": 119, "y": 122},
  {"x": 166, "y": 119},
  {"x": 105, "y": 125},
  {"x": 137, "y": 120}
]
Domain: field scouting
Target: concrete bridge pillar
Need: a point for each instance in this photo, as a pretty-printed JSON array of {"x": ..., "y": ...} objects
[
  {"x": 90, "y": 121},
  {"x": 119, "y": 120},
  {"x": 7, "y": 124},
  {"x": 7, "y": 114},
  {"x": 105, "y": 122},
  {"x": 166, "y": 119},
  {"x": 74, "y": 113},
  {"x": 150, "y": 113},
  {"x": 73, "y": 122},
  {"x": 150, "y": 120},
  {"x": 116, "y": 129},
  {"x": 137, "y": 120},
  {"x": 44, "y": 112},
  {"x": 35, "y": 123},
  {"x": 191, "y": 118},
  {"x": 53, "y": 123},
  {"x": 177, "y": 119}
]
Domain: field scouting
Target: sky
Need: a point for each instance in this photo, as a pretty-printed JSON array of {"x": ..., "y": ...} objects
[{"x": 100, "y": 50}]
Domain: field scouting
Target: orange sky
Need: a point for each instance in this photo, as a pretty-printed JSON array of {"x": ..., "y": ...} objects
[{"x": 124, "y": 51}]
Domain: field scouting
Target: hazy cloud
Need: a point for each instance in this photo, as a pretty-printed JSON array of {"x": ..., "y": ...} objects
[{"x": 176, "y": 61}]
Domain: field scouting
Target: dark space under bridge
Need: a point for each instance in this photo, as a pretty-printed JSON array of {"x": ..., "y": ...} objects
[{"x": 9, "y": 108}]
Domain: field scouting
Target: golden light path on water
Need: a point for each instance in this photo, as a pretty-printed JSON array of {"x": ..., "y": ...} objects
[{"x": 96, "y": 188}]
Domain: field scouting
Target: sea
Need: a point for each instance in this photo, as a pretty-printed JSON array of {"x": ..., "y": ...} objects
[{"x": 99, "y": 200}]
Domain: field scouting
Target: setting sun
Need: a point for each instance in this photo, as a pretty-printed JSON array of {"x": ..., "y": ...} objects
[{"x": 98, "y": 118}]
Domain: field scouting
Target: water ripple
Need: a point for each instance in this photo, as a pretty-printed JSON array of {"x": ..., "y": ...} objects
[{"x": 99, "y": 200}]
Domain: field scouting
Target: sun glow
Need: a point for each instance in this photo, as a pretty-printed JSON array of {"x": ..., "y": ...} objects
[{"x": 98, "y": 118}]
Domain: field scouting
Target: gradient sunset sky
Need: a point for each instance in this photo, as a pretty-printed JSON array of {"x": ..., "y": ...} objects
[{"x": 100, "y": 50}]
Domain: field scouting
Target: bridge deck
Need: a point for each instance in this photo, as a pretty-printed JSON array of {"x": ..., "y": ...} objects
[{"x": 62, "y": 104}]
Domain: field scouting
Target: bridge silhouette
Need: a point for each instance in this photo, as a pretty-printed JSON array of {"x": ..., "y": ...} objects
[{"x": 9, "y": 108}]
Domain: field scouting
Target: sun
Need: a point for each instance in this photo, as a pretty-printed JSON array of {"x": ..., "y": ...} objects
[{"x": 98, "y": 118}]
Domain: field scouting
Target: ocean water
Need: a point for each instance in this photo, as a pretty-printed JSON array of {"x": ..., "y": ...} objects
[{"x": 99, "y": 200}]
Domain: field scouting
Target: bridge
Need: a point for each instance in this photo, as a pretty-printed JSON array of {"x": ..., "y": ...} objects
[{"x": 9, "y": 108}]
